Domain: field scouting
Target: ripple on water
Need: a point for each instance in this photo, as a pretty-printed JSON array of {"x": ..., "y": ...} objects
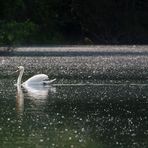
[{"x": 89, "y": 112}]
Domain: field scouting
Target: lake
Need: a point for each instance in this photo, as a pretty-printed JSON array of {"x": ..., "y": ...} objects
[{"x": 98, "y": 100}]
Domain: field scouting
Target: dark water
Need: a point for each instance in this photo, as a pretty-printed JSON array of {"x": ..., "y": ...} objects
[
  {"x": 97, "y": 101},
  {"x": 100, "y": 115}
]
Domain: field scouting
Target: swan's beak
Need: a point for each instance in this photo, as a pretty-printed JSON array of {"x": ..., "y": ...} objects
[{"x": 17, "y": 70}]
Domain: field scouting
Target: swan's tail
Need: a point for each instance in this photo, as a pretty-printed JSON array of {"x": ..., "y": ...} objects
[{"x": 49, "y": 82}]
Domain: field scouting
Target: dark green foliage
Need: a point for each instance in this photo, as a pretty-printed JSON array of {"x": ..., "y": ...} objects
[
  {"x": 14, "y": 33},
  {"x": 73, "y": 21},
  {"x": 113, "y": 21}
]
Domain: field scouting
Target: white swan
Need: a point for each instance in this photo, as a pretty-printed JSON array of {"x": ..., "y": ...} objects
[
  {"x": 19, "y": 100},
  {"x": 39, "y": 79}
]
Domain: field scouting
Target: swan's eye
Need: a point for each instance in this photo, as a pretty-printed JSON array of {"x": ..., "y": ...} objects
[{"x": 18, "y": 68}]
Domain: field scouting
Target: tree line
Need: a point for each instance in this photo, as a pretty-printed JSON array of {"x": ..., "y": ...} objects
[{"x": 37, "y": 22}]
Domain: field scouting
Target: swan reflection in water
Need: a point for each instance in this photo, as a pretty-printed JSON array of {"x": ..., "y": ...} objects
[
  {"x": 19, "y": 100},
  {"x": 37, "y": 93}
]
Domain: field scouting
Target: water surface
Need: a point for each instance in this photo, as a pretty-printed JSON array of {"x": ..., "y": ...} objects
[
  {"x": 96, "y": 101},
  {"x": 81, "y": 115}
]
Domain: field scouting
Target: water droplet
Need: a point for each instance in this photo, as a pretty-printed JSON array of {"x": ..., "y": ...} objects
[
  {"x": 83, "y": 129},
  {"x": 80, "y": 140},
  {"x": 45, "y": 127},
  {"x": 80, "y": 119},
  {"x": 41, "y": 140},
  {"x": 133, "y": 134},
  {"x": 75, "y": 131},
  {"x": 50, "y": 123},
  {"x": 66, "y": 129},
  {"x": 69, "y": 138}
]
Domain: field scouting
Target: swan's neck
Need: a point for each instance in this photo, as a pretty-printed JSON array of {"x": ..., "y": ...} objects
[{"x": 20, "y": 78}]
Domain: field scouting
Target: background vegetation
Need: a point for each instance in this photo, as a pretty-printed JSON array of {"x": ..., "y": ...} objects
[{"x": 32, "y": 22}]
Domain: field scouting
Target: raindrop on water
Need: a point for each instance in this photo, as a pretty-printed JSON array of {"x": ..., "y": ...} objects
[
  {"x": 45, "y": 127},
  {"x": 69, "y": 138},
  {"x": 80, "y": 140},
  {"x": 83, "y": 129},
  {"x": 41, "y": 140},
  {"x": 66, "y": 129}
]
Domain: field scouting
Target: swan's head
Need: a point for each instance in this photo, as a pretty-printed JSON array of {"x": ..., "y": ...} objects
[{"x": 20, "y": 68}]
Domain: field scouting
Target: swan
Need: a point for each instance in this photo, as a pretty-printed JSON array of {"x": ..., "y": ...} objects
[
  {"x": 39, "y": 92},
  {"x": 39, "y": 79},
  {"x": 19, "y": 100}
]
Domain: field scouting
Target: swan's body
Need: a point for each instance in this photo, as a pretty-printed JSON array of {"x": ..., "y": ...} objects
[{"x": 39, "y": 79}]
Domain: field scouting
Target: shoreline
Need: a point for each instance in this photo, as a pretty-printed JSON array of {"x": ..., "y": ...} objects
[{"x": 82, "y": 50}]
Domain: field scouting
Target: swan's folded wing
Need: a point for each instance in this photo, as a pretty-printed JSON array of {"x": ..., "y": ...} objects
[
  {"x": 38, "y": 78},
  {"x": 48, "y": 82}
]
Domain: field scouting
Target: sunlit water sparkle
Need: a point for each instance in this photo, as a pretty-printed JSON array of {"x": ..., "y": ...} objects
[{"x": 81, "y": 109}]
